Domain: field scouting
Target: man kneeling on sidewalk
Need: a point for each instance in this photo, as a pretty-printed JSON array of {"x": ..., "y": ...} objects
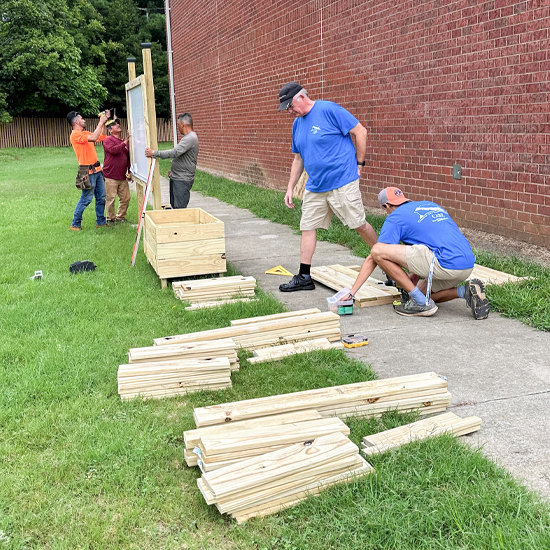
[{"x": 434, "y": 250}]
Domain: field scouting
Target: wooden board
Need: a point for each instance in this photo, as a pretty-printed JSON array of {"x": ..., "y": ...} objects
[
  {"x": 276, "y": 316},
  {"x": 493, "y": 277},
  {"x": 277, "y": 353},
  {"x": 217, "y": 303},
  {"x": 337, "y": 277},
  {"x": 423, "y": 429},
  {"x": 335, "y": 396}
]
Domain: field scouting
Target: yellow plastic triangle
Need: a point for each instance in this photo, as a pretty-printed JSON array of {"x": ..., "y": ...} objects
[{"x": 279, "y": 270}]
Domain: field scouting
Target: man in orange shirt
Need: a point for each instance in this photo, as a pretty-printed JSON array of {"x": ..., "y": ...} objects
[{"x": 83, "y": 145}]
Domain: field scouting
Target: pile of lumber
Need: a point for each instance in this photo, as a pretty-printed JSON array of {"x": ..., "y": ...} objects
[
  {"x": 372, "y": 293},
  {"x": 271, "y": 482},
  {"x": 205, "y": 293},
  {"x": 269, "y": 330},
  {"x": 426, "y": 393},
  {"x": 493, "y": 277},
  {"x": 423, "y": 429},
  {"x": 167, "y": 371},
  {"x": 220, "y": 450},
  {"x": 276, "y": 353},
  {"x": 171, "y": 378},
  {"x": 192, "y": 438},
  {"x": 193, "y": 350}
]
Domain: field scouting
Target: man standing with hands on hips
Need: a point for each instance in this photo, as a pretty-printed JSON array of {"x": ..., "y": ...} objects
[
  {"x": 322, "y": 144},
  {"x": 184, "y": 162}
]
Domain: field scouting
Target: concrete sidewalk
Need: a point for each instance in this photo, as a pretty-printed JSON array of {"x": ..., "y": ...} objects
[{"x": 497, "y": 369}]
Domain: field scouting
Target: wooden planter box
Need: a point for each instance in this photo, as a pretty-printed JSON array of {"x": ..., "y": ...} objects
[{"x": 184, "y": 242}]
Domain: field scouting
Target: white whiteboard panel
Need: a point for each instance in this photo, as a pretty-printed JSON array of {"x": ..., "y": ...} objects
[{"x": 140, "y": 164}]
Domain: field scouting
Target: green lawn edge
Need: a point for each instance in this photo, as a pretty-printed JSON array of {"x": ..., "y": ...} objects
[{"x": 81, "y": 469}]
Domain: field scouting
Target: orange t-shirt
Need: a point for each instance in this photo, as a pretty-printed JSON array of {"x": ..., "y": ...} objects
[{"x": 84, "y": 149}]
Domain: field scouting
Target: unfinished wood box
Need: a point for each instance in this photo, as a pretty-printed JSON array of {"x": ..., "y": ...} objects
[{"x": 184, "y": 242}]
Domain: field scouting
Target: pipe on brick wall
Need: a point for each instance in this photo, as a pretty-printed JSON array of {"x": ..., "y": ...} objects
[{"x": 171, "y": 70}]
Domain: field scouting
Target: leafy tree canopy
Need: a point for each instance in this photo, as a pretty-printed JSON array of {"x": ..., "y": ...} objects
[{"x": 58, "y": 55}]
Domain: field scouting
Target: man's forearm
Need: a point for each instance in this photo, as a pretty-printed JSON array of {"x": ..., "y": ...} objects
[
  {"x": 366, "y": 271},
  {"x": 96, "y": 133},
  {"x": 295, "y": 172},
  {"x": 360, "y": 135}
]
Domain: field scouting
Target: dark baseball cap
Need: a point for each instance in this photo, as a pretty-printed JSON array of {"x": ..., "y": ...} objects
[
  {"x": 71, "y": 116},
  {"x": 111, "y": 123},
  {"x": 287, "y": 93}
]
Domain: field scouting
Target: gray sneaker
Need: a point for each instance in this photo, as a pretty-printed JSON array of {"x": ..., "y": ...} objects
[
  {"x": 412, "y": 309},
  {"x": 476, "y": 300}
]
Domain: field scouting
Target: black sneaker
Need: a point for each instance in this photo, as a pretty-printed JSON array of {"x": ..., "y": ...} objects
[
  {"x": 476, "y": 300},
  {"x": 298, "y": 282},
  {"x": 413, "y": 309}
]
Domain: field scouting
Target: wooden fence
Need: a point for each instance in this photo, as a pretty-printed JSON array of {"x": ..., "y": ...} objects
[{"x": 55, "y": 132}]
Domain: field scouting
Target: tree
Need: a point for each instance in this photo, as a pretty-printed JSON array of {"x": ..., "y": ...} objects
[{"x": 41, "y": 68}]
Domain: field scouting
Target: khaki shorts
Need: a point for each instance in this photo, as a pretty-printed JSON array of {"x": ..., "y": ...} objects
[
  {"x": 345, "y": 202},
  {"x": 419, "y": 259}
]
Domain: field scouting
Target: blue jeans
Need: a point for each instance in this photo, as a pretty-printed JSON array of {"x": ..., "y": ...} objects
[{"x": 97, "y": 191}]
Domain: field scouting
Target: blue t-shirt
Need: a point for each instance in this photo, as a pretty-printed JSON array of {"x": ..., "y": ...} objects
[
  {"x": 426, "y": 223},
  {"x": 323, "y": 141}
]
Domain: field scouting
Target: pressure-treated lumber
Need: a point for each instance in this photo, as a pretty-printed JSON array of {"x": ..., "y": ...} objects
[
  {"x": 275, "y": 316},
  {"x": 191, "y": 438},
  {"x": 163, "y": 378},
  {"x": 217, "y": 303},
  {"x": 237, "y": 446},
  {"x": 493, "y": 277},
  {"x": 333, "y": 398},
  {"x": 423, "y": 429},
  {"x": 194, "y": 350},
  {"x": 267, "y": 333},
  {"x": 206, "y": 290},
  {"x": 337, "y": 277},
  {"x": 276, "y": 353},
  {"x": 273, "y": 481},
  {"x": 276, "y": 466}
]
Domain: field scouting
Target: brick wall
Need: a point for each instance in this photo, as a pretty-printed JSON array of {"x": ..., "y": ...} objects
[{"x": 435, "y": 82}]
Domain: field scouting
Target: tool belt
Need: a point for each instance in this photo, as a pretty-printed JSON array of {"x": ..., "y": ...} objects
[{"x": 82, "y": 177}]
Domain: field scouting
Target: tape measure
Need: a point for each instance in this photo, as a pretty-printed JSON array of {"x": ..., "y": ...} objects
[{"x": 355, "y": 340}]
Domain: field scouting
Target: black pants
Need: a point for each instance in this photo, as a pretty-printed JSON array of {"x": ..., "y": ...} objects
[{"x": 180, "y": 193}]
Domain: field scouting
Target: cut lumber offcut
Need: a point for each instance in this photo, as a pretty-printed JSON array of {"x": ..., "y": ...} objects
[
  {"x": 276, "y": 466},
  {"x": 218, "y": 303},
  {"x": 276, "y": 353},
  {"x": 367, "y": 295},
  {"x": 275, "y": 316},
  {"x": 247, "y": 334},
  {"x": 493, "y": 277},
  {"x": 334, "y": 397},
  {"x": 161, "y": 394},
  {"x": 423, "y": 429}
]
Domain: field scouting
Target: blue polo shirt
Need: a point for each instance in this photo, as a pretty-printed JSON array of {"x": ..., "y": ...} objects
[
  {"x": 323, "y": 141},
  {"x": 427, "y": 223}
]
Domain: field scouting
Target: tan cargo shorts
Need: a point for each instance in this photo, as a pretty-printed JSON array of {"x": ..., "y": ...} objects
[
  {"x": 345, "y": 202},
  {"x": 419, "y": 259}
]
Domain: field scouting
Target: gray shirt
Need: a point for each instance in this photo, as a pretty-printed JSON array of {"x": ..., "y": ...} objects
[{"x": 184, "y": 157}]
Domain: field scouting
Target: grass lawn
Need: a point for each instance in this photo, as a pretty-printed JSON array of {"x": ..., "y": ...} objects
[{"x": 80, "y": 469}]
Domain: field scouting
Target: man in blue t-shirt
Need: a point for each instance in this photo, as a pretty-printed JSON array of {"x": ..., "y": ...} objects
[
  {"x": 322, "y": 144},
  {"x": 434, "y": 250}
]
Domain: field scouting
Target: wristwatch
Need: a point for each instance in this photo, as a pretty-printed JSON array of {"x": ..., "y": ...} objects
[{"x": 361, "y": 163}]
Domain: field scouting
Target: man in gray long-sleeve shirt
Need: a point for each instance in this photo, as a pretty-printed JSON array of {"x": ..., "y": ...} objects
[{"x": 184, "y": 162}]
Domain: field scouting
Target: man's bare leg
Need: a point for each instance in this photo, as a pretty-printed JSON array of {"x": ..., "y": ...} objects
[
  {"x": 308, "y": 245},
  {"x": 368, "y": 234}
]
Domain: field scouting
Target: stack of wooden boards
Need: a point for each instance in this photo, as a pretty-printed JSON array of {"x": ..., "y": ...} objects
[
  {"x": 263, "y": 455},
  {"x": 423, "y": 429},
  {"x": 208, "y": 293},
  {"x": 276, "y": 353},
  {"x": 372, "y": 293},
  {"x": 261, "y": 466},
  {"x": 269, "y": 330},
  {"x": 426, "y": 393},
  {"x": 167, "y": 371}
]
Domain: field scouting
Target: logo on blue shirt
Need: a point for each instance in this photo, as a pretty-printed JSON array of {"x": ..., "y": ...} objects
[
  {"x": 315, "y": 129},
  {"x": 437, "y": 213}
]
